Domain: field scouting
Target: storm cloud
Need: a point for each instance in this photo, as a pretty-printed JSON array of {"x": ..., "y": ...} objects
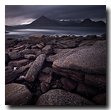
[{"x": 21, "y": 14}]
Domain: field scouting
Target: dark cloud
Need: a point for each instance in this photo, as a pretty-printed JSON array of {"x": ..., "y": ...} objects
[{"x": 25, "y": 12}]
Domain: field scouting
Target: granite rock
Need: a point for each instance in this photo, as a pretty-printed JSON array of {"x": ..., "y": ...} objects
[
  {"x": 35, "y": 68},
  {"x": 61, "y": 97}
]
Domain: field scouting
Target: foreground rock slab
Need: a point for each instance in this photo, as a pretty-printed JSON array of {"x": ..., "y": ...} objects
[
  {"x": 35, "y": 68},
  {"x": 89, "y": 60},
  {"x": 17, "y": 94},
  {"x": 61, "y": 97}
]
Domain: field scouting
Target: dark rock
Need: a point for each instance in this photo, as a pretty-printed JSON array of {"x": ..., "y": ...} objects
[
  {"x": 61, "y": 97},
  {"x": 17, "y": 94},
  {"x": 18, "y": 63},
  {"x": 44, "y": 87},
  {"x": 11, "y": 43},
  {"x": 35, "y": 68},
  {"x": 90, "y": 37},
  {"x": 47, "y": 49},
  {"x": 68, "y": 84},
  {"x": 96, "y": 80},
  {"x": 100, "y": 99},
  {"x": 46, "y": 75},
  {"x": 37, "y": 52},
  {"x": 87, "y": 91},
  {"x": 15, "y": 55},
  {"x": 11, "y": 74}
]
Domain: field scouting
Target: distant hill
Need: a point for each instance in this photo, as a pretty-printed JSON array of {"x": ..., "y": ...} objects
[
  {"x": 89, "y": 23},
  {"x": 44, "y": 21}
]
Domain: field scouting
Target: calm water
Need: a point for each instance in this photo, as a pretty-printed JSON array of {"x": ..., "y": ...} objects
[{"x": 53, "y": 31}]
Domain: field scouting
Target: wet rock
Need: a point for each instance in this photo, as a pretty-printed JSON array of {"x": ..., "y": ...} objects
[
  {"x": 35, "y": 68},
  {"x": 34, "y": 47},
  {"x": 61, "y": 97},
  {"x": 17, "y": 94}
]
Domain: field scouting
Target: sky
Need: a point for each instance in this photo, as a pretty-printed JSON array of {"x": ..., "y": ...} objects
[{"x": 25, "y": 14}]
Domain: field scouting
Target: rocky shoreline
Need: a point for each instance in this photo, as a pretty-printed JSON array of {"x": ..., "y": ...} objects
[{"x": 65, "y": 70}]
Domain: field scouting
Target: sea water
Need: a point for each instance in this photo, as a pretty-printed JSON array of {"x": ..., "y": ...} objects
[{"x": 53, "y": 31}]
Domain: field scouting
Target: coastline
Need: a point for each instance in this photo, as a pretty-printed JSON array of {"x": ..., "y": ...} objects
[{"x": 64, "y": 64}]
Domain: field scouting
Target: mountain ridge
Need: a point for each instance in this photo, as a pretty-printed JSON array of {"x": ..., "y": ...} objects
[{"x": 44, "y": 21}]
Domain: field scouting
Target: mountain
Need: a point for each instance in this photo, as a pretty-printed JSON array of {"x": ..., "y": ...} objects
[
  {"x": 44, "y": 21},
  {"x": 89, "y": 23}
]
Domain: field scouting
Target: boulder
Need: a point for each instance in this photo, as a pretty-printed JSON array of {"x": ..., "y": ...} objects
[
  {"x": 61, "y": 97},
  {"x": 100, "y": 99},
  {"x": 46, "y": 75},
  {"x": 17, "y": 94},
  {"x": 87, "y": 59},
  {"x": 62, "y": 53},
  {"x": 15, "y": 55},
  {"x": 67, "y": 44},
  {"x": 18, "y": 63},
  {"x": 68, "y": 84},
  {"x": 47, "y": 49},
  {"x": 35, "y": 68},
  {"x": 36, "y": 38}
]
